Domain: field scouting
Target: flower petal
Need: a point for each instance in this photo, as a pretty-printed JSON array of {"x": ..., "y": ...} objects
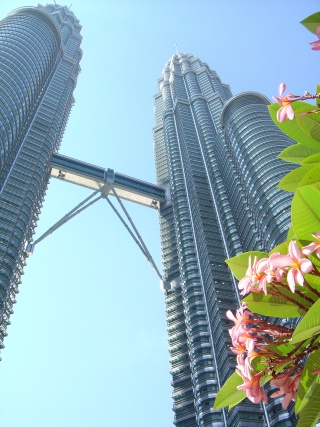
[
  {"x": 282, "y": 114},
  {"x": 291, "y": 281},
  {"x": 307, "y": 250},
  {"x": 282, "y": 88},
  {"x": 298, "y": 276},
  {"x": 290, "y": 112},
  {"x": 278, "y": 100},
  {"x": 294, "y": 251},
  {"x": 287, "y": 399},
  {"x": 280, "y": 261},
  {"x": 315, "y": 45},
  {"x": 305, "y": 265},
  {"x": 231, "y": 316}
]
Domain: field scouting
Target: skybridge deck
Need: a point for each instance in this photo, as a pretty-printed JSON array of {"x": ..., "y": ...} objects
[{"x": 95, "y": 178}]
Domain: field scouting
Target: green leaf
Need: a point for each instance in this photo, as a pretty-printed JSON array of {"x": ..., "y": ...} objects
[
  {"x": 310, "y": 124},
  {"x": 313, "y": 280},
  {"x": 283, "y": 248},
  {"x": 269, "y": 305},
  {"x": 311, "y": 22},
  {"x": 228, "y": 394},
  {"x": 309, "y": 382},
  {"x": 313, "y": 158},
  {"x": 297, "y": 153},
  {"x": 258, "y": 363},
  {"x": 295, "y": 297},
  {"x": 283, "y": 350},
  {"x": 305, "y": 212},
  {"x": 291, "y": 235},
  {"x": 291, "y": 127},
  {"x": 313, "y": 175},
  {"x": 309, "y": 416},
  {"x": 309, "y": 325},
  {"x": 239, "y": 264},
  {"x": 316, "y": 185},
  {"x": 291, "y": 181}
]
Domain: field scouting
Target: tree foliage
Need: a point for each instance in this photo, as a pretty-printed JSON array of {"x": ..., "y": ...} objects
[{"x": 284, "y": 284}]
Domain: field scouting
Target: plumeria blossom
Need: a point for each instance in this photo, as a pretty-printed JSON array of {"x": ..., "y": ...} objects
[
  {"x": 316, "y": 45},
  {"x": 251, "y": 353},
  {"x": 251, "y": 383},
  {"x": 314, "y": 246},
  {"x": 288, "y": 386},
  {"x": 260, "y": 274},
  {"x": 297, "y": 263},
  {"x": 257, "y": 277},
  {"x": 251, "y": 334},
  {"x": 286, "y": 110},
  {"x": 239, "y": 334},
  {"x": 251, "y": 278},
  {"x": 251, "y": 386},
  {"x": 256, "y": 341},
  {"x": 268, "y": 272}
]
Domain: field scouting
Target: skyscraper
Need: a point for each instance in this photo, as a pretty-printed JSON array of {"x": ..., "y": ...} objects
[
  {"x": 39, "y": 65},
  {"x": 216, "y": 155}
]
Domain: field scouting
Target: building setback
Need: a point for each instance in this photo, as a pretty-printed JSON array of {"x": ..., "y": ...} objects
[
  {"x": 217, "y": 156},
  {"x": 39, "y": 65}
]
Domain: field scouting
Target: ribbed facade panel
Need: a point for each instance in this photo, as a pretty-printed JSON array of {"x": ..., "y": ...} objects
[
  {"x": 39, "y": 65},
  {"x": 208, "y": 148}
]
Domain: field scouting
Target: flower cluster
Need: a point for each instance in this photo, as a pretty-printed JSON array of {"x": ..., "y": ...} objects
[
  {"x": 285, "y": 111},
  {"x": 252, "y": 338},
  {"x": 284, "y": 286},
  {"x": 256, "y": 341},
  {"x": 277, "y": 268}
]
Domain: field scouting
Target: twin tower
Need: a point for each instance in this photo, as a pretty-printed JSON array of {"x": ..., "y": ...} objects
[{"x": 217, "y": 171}]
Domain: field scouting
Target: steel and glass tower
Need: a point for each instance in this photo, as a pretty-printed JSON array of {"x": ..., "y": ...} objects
[
  {"x": 39, "y": 65},
  {"x": 216, "y": 156}
]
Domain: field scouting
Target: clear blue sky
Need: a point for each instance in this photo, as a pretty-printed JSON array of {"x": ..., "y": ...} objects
[{"x": 87, "y": 345}]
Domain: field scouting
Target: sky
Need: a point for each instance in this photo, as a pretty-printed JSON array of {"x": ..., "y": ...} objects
[{"x": 87, "y": 345}]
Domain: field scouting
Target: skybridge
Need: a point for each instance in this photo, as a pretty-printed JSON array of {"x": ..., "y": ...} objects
[
  {"x": 96, "y": 178},
  {"x": 104, "y": 183}
]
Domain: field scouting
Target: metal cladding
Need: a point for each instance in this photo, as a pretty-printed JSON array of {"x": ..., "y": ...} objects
[
  {"x": 39, "y": 65},
  {"x": 216, "y": 154}
]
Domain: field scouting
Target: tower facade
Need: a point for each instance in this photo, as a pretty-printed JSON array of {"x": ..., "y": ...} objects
[
  {"x": 216, "y": 155},
  {"x": 39, "y": 65}
]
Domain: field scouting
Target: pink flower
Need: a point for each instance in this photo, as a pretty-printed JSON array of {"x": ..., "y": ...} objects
[
  {"x": 257, "y": 274},
  {"x": 297, "y": 263},
  {"x": 314, "y": 246},
  {"x": 252, "y": 386},
  {"x": 239, "y": 334},
  {"x": 251, "y": 354},
  {"x": 250, "y": 279},
  {"x": 266, "y": 268},
  {"x": 287, "y": 385},
  {"x": 316, "y": 45},
  {"x": 286, "y": 110}
]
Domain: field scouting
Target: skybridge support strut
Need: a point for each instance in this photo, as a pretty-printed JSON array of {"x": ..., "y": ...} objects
[
  {"x": 75, "y": 211},
  {"x": 104, "y": 192}
]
